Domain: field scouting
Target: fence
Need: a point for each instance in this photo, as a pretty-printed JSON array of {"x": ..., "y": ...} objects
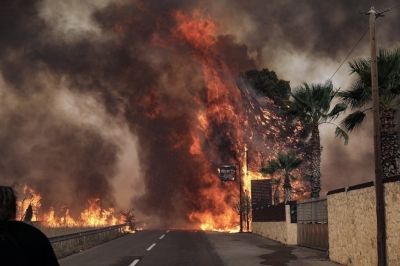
[
  {"x": 312, "y": 224},
  {"x": 271, "y": 213}
]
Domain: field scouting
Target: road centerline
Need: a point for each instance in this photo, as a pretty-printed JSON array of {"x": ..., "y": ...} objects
[
  {"x": 161, "y": 237},
  {"x": 136, "y": 261},
  {"x": 151, "y": 247}
]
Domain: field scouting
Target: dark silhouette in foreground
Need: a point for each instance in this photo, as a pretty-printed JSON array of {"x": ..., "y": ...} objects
[{"x": 21, "y": 244}]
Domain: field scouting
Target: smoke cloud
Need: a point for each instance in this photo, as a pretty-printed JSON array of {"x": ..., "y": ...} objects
[
  {"x": 305, "y": 42},
  {"x": 97, "y": 97}
]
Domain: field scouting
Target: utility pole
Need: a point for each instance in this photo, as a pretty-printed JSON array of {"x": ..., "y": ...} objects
[
  {"x": 242, "y": 171},
  {"x": 246, "y": 160},
  {"x": 379, "y": 187},
  {"x": 241, "y": 197}
]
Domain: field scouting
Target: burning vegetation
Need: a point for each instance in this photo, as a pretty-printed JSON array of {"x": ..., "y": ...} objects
[
  {"x": 30, "y": 209},
  {"x": 175, "y": 82}
]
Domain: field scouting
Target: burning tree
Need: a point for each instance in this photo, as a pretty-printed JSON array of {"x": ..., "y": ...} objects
[
  {"x": 271, "y": 129},
  {"x": 267, "y": 83}
]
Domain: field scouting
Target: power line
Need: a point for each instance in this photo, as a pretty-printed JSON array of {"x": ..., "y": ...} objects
[
  {"x": 379, "y": 14},
  {"x": 393, "y": 7},
  {"x": 349, "y": 53}
]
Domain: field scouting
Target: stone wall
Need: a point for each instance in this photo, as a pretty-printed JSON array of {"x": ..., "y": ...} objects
[
  {"x": 352, "y": 225},
  {"x": 284, "y": 232},
  {"x": 392, "y": 200}
]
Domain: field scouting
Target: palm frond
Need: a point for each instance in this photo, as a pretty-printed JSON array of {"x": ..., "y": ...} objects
[
  {"x": 312, "y": 102},
  {"x": 357, "y": 96},
  {"x": 337, "y": 110},
  {"x": 340, "y": 133},
  {"x": 388, "y": 65},
  {"x": 353, "y": 120},
  {"x": 361, "y": 67},
  {"x": 272, "y": 167},
  {"x": 289, "y": 160},
  {"x": 322, "y": 95}
]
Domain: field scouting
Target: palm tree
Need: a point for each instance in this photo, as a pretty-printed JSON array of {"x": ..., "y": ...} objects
[
  {"x": 359, "y": 99},
  {"x": 311, "y": 103},
  {"x": 285, "y": 162}
]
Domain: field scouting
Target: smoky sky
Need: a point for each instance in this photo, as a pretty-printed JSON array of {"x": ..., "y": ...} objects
[
  {"x": 324, "y": 27},
  {"x": 141, "y": 81}
]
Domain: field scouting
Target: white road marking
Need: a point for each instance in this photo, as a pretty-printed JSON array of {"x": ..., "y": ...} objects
[
  {"x": 161, "y": 237},
  {"x": 134, "y": 262},
  {"x": 151, "y": 247},
  {"x": 167, "y": 232}
]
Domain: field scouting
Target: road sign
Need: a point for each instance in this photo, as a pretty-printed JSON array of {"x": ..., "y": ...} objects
[
  {"x": 227, "y": 172},
  {"x": 261, "y": 193}
]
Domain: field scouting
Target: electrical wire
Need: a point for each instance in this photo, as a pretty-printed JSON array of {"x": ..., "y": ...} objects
[
  {"x": 358, "y": 42},
  {"x": 394, "y": 7},
  {"x": 348, "y": 54}
]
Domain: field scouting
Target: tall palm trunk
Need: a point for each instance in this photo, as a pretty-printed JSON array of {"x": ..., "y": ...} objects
[
  {"x": 315, "y": 162},
  {"x": 390, "y": 144},
  {"x": 288, "y": 188},
  {"x": 276, "y": 192}
]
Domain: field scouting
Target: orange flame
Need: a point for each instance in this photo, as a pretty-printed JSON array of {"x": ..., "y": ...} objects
[
  {"x": 225, "y": 106},
  {"x": 219, "y": 210},
  {"x": 200, "y": 32},
  {"x": 93, "y": 216}
]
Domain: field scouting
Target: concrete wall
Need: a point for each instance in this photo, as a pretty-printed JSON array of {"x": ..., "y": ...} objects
[
  {"x": 272, "y": 230},
  {"x": 284, "y": 232},
  {"x": 291, "y": 229},
  {"x": 352, "y": 226}
]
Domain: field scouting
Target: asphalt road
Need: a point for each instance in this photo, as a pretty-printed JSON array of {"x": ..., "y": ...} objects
[
  {"x": 192, "y": 248},
  {"x": 150, "y": 248}
]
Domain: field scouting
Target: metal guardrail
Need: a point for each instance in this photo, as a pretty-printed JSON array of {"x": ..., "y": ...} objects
[{"x": 67, "y": 237}]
